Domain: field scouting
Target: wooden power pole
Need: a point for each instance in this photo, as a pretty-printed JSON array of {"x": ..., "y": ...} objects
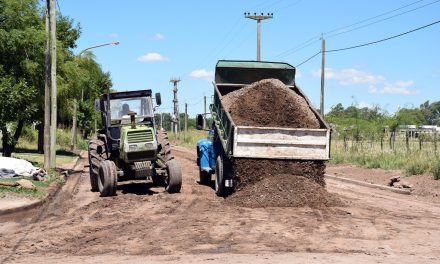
[
  {"x": 258, "y": 18},
  {"x": 322, "y": 75},
  {"x": 53, "y": 83},
  {"x": 46, "y": 141}
]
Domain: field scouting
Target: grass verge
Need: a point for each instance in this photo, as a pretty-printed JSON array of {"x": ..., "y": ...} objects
[
  {"x": 41, "y": 186},
  {"x": 411, "y": 163}
]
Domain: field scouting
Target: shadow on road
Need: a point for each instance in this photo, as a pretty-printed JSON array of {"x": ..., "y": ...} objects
[{"x": 138, "y": 188}]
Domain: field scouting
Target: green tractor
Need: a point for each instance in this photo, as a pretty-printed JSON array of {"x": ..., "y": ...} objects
[{"x": 129, "y": 146}]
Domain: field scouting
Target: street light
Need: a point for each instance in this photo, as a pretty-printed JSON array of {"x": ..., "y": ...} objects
[
  {"x": 97, "y": 46},
  {"x": 75, "y": 106}
]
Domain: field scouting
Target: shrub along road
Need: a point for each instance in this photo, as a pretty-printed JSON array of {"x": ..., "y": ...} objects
[{"x": 143, "y": 223}]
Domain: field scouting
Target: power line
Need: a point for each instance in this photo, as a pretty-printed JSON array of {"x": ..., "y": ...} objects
[
  {"x": 385, "y": 39},
  {"x": 311, "y": 57},
  {"x": 370, "y": 43},
  {"x": 371, "y": 18},
  {"x": 381, "y": 20},
  {"x": 316, "y": 38}
]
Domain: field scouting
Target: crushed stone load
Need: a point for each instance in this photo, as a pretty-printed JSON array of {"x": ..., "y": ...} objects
[
  {"x": 269, "y": 182},
  {"x": 284, "y": 191},
  {"x": 249, "y": 171},
  {"x": 269, "y": 103}
]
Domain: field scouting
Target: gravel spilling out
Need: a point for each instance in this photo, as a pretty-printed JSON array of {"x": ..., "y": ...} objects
[{"x": 284, "y": 191}]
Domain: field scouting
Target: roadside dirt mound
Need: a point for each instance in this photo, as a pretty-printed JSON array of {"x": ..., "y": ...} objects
[
  {"x": 249, "y": 171},
  {"x": 284, "y": 191},
  {"x": 269, "y": 103}
]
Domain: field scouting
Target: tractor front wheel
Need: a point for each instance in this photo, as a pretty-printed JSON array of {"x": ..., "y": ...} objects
[
  {"x": 107, "y": 178},
  {"x": 174, "y": 177}
]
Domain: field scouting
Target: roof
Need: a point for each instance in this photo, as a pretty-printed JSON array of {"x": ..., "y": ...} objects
[{"x": 253, "y": 64}]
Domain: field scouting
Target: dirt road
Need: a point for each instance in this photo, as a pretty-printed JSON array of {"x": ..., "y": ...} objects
[{"x": 195, "y": 226}]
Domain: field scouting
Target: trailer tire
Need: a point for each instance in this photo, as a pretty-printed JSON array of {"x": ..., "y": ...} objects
[
  {"x": 95, "y": 160},
  {"x": 204, "y": 177},
  {"x": 174, "y": 177},
  {"x": 107, "y": 180},
  {"x": 220, "y": 172}
]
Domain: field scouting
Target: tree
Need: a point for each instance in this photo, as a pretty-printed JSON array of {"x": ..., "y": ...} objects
[
  {"x": 22, "y": 41},
  {"x": 22, "y": 64}
]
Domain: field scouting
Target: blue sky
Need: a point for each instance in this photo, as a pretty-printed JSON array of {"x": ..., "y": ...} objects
[{"x": 163, "y": 39}]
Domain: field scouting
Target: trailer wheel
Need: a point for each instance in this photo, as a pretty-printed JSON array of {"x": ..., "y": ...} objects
[
  {"x": 95, "y": 160},
  {"x": 204, "y": 177},
  {"x": 107, "y": 178},
  {"x": 220, "y": 172},
  {"x": 174, "y": 178}
]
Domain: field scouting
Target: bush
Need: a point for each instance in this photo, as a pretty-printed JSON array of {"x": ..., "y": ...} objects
[
  {"x": 415, "y": 167},
  {"x": 29, "y": 134},
  {"x": 435, "y": 169}
]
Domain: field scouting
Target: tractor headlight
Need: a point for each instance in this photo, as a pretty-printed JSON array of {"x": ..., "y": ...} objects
[
  {"x": 149, "y": 145},
  {"x": 132, "y": 147}
]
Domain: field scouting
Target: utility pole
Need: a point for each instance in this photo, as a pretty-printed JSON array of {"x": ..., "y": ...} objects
[
  {"x": 258, "y": 18},
  {"x": 53, "y": 83},
  {"x": 322, "y": 75},
  {"x": 186, "y": 119},
  {"x": 46, "y": 140},
  {"x": 176, "y": 119},
  {"x": 204, "y": 112}
]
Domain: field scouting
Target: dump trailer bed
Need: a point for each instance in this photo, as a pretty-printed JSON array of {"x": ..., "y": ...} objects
[{"x": 264, "y": 142}]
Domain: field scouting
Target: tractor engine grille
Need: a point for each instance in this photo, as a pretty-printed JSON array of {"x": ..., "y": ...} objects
[{"x": 139, "y": 136}]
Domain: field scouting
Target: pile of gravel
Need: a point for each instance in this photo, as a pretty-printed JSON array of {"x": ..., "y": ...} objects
[
  {"x": 249, "y": 171},
  {"x": 269, "y": 103},
  {"x": 284, "y": 191}
]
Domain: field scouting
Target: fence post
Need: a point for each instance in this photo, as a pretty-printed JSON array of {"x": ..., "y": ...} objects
[
  {"x": 407, "y": 141},
  {"x": 420, "y": 141},
  {"x": 345, "y": 140},
  {"x": 435, "y": 143}
]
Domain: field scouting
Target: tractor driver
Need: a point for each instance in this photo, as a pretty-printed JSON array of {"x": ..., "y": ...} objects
[{"x": 124, "y": 111}]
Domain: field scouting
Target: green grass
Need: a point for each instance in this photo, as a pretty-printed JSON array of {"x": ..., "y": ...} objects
[
  {"x": 413, "y": 162},
  {"x": 189, "y": 139},
  {"x": 64, "y": 136},
  {"x": 41, "y": 186},
  {"x": 37, "y": 159}
]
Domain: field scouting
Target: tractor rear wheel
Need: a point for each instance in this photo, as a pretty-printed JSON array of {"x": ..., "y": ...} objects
[
  {"x": 95, "y": 160},
  {"x": 174, "y": 178},
  {"x": 107, "y": 178},
  {"x": 164, "y": 146}
]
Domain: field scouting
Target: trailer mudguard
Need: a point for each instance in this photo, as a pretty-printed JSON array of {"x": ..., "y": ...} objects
[{"x": 206, "y": 156}]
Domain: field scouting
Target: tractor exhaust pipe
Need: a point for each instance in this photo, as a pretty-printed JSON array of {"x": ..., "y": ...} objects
[{"x": 132, "y": 119}]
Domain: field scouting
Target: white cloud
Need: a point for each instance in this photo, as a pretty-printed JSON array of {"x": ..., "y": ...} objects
[
  {"x": 159, "y": 36},
  {"x": 378, "y": 83},
  {"x": 152, "y": 57},
  {"x": 202, "y": 73},
  {"x": 398, "y": 87},
  {"x": 114, "y": 35},
  {"x": 298, "y": 74},
  {"x": 350, "y": 76}
]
